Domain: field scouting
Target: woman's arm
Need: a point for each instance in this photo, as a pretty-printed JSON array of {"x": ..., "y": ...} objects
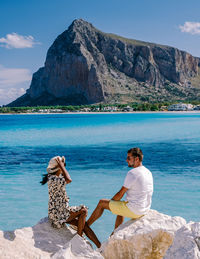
[{"x": 64, "y": 171}]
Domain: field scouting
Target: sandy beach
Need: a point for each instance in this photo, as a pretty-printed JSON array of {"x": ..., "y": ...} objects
[{"x": 136, "y": 112}]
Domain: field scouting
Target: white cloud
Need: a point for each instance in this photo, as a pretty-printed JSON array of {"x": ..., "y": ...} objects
[
  {"x": 13, "y": 76},
  {"x": 10, "y": 94},
  {"x": 17, "y": 41},
  {"x": 191, "y": 27},
  {"x": 13, "y": 83}
]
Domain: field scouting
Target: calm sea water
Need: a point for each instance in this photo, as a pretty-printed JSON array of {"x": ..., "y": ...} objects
[{"x": 95, "y": 147}]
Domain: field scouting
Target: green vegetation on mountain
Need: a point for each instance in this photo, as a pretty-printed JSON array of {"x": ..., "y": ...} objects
[
  {"x": 86, "y": 66},
  {"x": 144, "y": 106}
]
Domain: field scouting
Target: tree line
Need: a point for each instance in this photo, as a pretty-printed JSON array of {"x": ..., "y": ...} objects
[{"x": 145, "y": 106}]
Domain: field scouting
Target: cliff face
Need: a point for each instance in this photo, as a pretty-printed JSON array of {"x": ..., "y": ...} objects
[{"x": 85, "y": 65}]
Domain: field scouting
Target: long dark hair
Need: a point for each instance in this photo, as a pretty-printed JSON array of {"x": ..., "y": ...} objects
[{"x": 45, "y": 178}]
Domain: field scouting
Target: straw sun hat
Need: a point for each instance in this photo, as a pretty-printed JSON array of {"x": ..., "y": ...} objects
[{"x": 53, "y": 164}]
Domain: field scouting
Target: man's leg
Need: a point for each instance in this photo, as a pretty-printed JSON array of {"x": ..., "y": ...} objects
[
  {"x": 102, "y": 205},
  {"x": 119, "y": 221}
]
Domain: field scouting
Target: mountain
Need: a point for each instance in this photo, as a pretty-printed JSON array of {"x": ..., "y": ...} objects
[{"x": 85, "y": 66}]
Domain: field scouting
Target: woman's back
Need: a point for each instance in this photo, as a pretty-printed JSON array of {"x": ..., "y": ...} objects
[{"x": 58, "y": 200}]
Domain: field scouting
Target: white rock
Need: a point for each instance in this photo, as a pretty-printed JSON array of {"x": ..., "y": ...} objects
[
  {"x": 186, "y": 243},
  {"x": 150, "y": 237},
  {"x": 43, "y": 241},
  {"x": 78, "y": 248},
  {"x": 153, "y": 236}
]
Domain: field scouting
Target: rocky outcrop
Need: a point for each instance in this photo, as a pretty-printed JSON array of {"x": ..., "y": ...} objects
[
  {"x": 153, "y": 236},
  {"x": 85, "y": 66},
  {"x": 77, "y": 248},
  {"x": 42, "y": 242}
]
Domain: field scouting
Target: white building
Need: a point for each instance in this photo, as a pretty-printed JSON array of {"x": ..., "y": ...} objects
[
  {"x": 110, "y": 108},
  {"x": 180, "y": 107},
  {"x": 127, "y": 109}
]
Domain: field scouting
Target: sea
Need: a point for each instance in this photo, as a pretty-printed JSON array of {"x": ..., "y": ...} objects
[{"x": 95, "y": 147}]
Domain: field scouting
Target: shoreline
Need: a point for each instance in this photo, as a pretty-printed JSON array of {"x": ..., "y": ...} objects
[{"x": 132, "y": 112}]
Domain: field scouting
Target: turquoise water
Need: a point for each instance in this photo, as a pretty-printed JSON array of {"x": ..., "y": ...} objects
[{"x": 95, "y": 147}]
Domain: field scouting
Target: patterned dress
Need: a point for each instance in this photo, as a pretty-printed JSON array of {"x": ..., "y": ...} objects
[{"x": 59, "y": 209}]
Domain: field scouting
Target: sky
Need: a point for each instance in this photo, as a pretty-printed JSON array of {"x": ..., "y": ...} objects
[{"x": 28, "y": 28}]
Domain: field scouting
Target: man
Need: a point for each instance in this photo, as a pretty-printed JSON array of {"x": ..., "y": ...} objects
[{"x": 138, "y": 186}]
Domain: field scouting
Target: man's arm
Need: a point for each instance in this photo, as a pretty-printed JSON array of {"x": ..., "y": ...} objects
[{"x": 119, "y": 194}]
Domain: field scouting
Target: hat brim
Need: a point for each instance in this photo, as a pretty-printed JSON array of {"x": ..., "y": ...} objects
[{"x": 52, "y": 170}]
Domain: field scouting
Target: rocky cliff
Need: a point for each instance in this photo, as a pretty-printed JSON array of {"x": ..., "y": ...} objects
[
  {"x": 85, "y": 66},
  {"x": 153, "y": 236}
]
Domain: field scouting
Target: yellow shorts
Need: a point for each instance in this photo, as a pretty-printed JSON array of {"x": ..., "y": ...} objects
[{"x": 120, "y": 208}]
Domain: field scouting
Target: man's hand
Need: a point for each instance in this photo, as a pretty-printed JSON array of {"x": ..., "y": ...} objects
[{"x": 119, "y": 194}]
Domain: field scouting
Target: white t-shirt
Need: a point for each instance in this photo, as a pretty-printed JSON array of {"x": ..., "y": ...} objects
[{"x": 139, "y": 182}]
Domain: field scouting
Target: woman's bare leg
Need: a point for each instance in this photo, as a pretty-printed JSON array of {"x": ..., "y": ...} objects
[
  {"x": 81, "y": 215},
  {"x": 88, "y": 231},
  {"x": 81, "y": 222}
]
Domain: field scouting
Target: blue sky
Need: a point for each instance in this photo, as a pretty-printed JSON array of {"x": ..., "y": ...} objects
[{"x": 28, "y": 28}]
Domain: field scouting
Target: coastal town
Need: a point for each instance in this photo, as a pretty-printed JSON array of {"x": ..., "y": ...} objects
[{"x": 142, "y": 107}]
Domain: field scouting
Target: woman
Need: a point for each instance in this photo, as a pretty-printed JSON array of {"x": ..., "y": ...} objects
[{"x": 59, "y": 211}]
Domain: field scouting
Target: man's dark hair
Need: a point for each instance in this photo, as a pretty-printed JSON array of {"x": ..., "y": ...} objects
[{"x": 136, "y": 152}]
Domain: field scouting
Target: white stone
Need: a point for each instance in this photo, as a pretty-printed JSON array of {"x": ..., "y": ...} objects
[
  {"x": 78, "y": 248},
  {"x": 186, "y": 243},
  {"x": 153, "y": 236},
  {"x": 150, "y": 237},
  {"x": 43, "y": 241}
]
